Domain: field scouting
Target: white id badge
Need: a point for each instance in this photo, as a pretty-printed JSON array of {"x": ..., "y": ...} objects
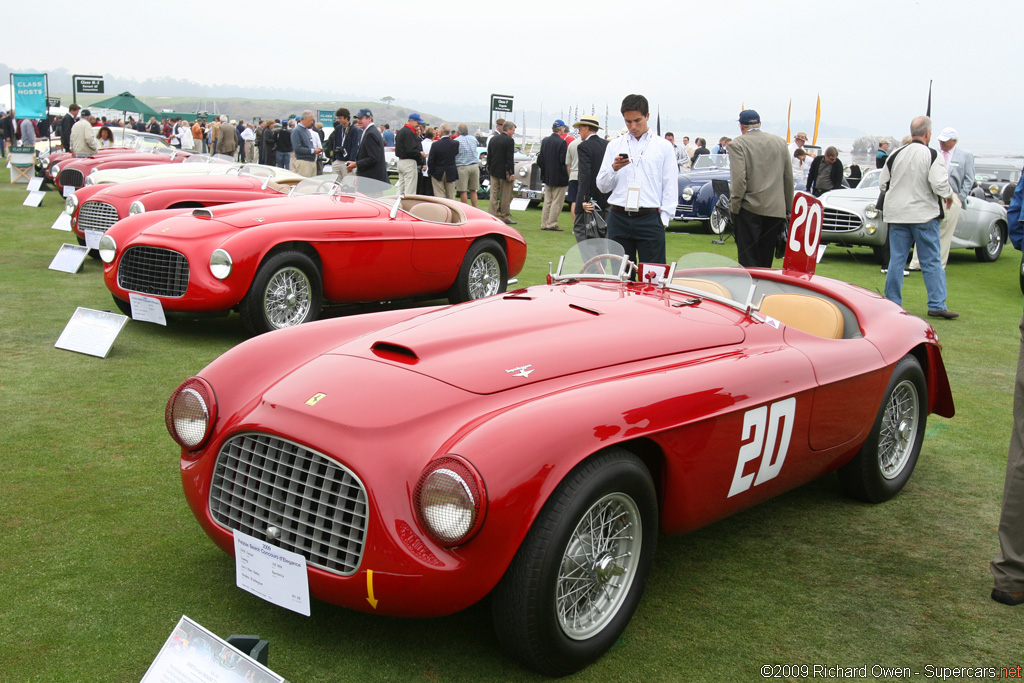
[{"x": 633, "y": 198}]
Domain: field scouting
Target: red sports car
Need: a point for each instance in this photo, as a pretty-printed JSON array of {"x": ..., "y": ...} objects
[
  {"x": 73, "y": 172},
  {"x": 97, "y": 207},
  {"x": 532, "y": 446},
  {"x": 277, "y": 261}
]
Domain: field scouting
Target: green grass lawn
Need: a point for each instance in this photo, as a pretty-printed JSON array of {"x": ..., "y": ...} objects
[{"x": 101, "y": 555}]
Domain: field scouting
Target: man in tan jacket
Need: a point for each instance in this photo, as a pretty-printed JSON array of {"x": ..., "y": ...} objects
[
  {"x": 83, "y": 137},
  {"x": 761, "y": 191}
]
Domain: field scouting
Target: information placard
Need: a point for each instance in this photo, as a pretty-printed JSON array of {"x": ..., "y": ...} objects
[
  {"x": 91, "y": 332},
  {"x": 69, "y": 258},
  {"x": 276, "y": 575},
  {"x": 519, "y": 204},
  {"x": 35, "y": 184},
  {"x": 63, "y": 222},
  {"x": 34, "y": 199},
  {"x": 147, "y": 309},
  {"x": 92, "y": 238},
  {"x": 192, "y": 654}
]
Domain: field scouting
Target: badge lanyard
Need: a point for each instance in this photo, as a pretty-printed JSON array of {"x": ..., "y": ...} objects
[{"x": 633, "y": 188}]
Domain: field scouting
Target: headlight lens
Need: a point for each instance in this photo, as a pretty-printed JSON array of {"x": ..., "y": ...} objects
[
  {"x": 136, "y": 208},
  {"x": 107, "y": 248},
  {"x": 871, "y": 211},
  {"x": 70, "y": 204},
  {"x": 450, "y": 500},
  {"x": 191, "y": 412},
  {"x": 56, "y": 170},
  {"x": 687, "y": 193},
  {"x": 220, "y": 264},
  {"x": 993, "y": 189},
  {"x": 522, "y": 171}
]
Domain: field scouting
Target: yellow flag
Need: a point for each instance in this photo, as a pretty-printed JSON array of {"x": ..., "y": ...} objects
[
  {"x": 789, "y": 113},
  {"x": 817, "y": 118}
]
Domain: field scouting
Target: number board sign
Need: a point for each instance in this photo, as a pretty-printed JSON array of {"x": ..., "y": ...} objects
[{"x": 804, "y": 234}]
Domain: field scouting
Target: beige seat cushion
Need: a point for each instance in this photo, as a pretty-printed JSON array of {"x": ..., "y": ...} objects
[
  {"x": 435, "y": 213},
  {"x": 811, "y": 314},
  {"x": 709, "y": 286}
]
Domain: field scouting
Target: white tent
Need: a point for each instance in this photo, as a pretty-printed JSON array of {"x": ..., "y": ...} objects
[{"x": 6, "y": 97}]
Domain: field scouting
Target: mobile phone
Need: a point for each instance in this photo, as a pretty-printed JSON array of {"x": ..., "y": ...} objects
[{"x": 623, "y": 156}]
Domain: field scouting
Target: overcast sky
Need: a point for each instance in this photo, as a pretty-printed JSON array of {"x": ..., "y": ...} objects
[{"x": 870, "y": 61}]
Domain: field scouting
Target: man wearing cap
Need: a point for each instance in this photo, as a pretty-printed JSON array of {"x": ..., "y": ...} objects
[
  {"x": 960, "y": 166},
  {"x": 916, "y": 188},
  {"x": 882, "y": 154},
  {"x": 82, "y": 140},
  {"x": 409, "y": 151},
  {"x": 590, "y": 153},
  {"x": 369, "y": 161},
  {"x": 554, "y": 174},
  {"x": 761, "y": 190},
  {"x": 639, "y": 173}
]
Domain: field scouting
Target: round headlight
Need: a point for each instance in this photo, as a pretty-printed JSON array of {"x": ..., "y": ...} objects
[
  {"x": 191, "y": 412},
  {"x": 220, "y": 264},
  {"x": 107, "y": 248},
  {"x": 450, "y": 500},
  {"x": 687, "y": 193},
  {"x": 993, "y": 189},
  {"x": 136, "y": 208},
  {"x": 56, "y": 170},
  {"x": 871, "y": 211},
  {"x": 70, "y": 204}
]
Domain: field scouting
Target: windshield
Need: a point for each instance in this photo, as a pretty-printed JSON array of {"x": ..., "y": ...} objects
[
  {"x": 349, "y": 185},
  {"x": 206, "y": 159},
  {"x": 987, "y": 174},
  {"x": 870, "y": 179},
  {"x": 711, "y": 161},
  {"x": 594, "y": 259}
]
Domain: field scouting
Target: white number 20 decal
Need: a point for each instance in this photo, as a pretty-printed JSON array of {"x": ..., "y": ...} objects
[
  {"x": 807, "y": 215},
  {"x": 762, "y": 426}
]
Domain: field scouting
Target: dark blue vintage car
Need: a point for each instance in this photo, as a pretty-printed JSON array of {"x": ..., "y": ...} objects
[{"x": 696, "y": 195}]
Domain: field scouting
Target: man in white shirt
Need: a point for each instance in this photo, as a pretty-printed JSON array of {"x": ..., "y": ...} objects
[{"x": 640, "y": 174}]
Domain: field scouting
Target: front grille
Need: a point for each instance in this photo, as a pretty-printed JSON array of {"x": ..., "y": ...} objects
[
  {"x": 96, "y": 216},
  {"x": 317, "y": 506},
  {"x": 838, "y": 220},
  {"x": 71, "y": 177},
  {"x": 152, "y": 270}
]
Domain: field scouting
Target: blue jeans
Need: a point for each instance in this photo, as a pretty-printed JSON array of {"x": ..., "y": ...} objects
[
  {"x": 284, "y": 160},
  {"x": 903, "y": 236}
]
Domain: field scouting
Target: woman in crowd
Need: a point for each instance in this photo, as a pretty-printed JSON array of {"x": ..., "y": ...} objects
[{"x": 105, "y": 138}]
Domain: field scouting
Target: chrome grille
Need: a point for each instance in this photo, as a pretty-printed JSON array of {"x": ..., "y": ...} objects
[
  {"x": 838, "y": 220},
  {"x": 96, "y": 216},
  {"x": 317, "y": 505},
  {"x": 71, "y": 177},
  {"x": 152, "y": 270}
]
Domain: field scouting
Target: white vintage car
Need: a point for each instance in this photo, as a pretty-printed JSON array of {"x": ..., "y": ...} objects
[
  {"x": 851, "y": 219},
  {"x": 197, "y": 164}
]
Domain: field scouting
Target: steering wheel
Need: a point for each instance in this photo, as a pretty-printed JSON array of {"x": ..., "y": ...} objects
[{"x": 600, "y": 257}]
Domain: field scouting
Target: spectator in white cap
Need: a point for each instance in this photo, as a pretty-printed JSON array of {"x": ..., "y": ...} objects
[{"x": 960, "y": 167}]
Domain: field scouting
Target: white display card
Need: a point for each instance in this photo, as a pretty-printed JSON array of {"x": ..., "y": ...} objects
[
  {"x": 192, "y": 654},
  {"x": 68, "y": 191},
  {"x": 63, "y": 222},
  {"x": 519, "y": 204},
  {"x": 91, "y": 332},
  {"x": 276, "y": 575},
  {"x": 34, "y": 199},
  {"x": 69, "y": 258},
  {"x": 35, "y": 185},
  {"x": 92, "y": 238},
  {"x": 147, "y": 309}
]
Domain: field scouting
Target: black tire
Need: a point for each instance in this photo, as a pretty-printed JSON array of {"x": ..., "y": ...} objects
[
  {"x": 882, "y": 253},
  {"x": 124, "y": 306},
  {"x": 887, "y": 459},
  {"x": 559, "y": 570},
  {"x": 484, "y": 272},
  {"x": 286, "y": 291},
  {"x": 1007, "y": 194},
  {"x": 721, "y": 221},
  {"x": 990, "y": 252}
]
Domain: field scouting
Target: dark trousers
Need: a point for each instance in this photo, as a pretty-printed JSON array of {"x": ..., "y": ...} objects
[
  {"x": 755, "y": 238},
  {"x": 641, "y": 237},
  {"x": 1008, "y": 566}
]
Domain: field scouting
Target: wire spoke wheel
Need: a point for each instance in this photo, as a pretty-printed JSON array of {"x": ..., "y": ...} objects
[
  {"x": 898, "y": 435},
  {"x": 598, "y": 566},
  {"x": 287, "y": 297},
  {"x": 484, "y": 276}
]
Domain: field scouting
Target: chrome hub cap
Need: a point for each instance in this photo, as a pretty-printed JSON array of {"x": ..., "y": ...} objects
[
  {"x": 898, "y": 434},
  {"x": 598, "y": 566},
  {"x": 288, "y": 297},
  {"x": 484, "y": 276}
]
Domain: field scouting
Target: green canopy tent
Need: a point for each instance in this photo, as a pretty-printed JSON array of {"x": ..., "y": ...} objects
[{"x": 126, "y": 102}]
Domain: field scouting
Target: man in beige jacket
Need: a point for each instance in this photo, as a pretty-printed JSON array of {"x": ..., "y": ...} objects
[
  {"x": 761, "y": 191},
  {"x": 83, "y": 138}
]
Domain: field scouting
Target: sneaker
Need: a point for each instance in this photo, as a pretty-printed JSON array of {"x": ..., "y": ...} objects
[
  {"x": 948, "y": 315},
  {"x": 905, "y": 272}
]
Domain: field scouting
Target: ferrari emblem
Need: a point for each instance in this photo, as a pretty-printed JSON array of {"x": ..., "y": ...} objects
[
  {"x": 259, "y": 220},
  {"x": 315, "y": 399},
  {"x": 521, "y": 371}
]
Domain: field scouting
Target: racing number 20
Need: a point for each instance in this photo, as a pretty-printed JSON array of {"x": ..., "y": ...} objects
[
  {"x": 762, "y": 426},
  {"x": 809, "y": 216}
]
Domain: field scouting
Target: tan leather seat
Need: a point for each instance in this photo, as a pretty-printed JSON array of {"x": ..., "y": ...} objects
[
  {"x": 429, "y": 211},
  {"x": 709, "y": 286},
  {"x": 811, "y": 314}
]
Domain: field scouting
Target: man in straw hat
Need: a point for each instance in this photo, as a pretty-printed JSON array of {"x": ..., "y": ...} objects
[{"x": 590, "y": 153}]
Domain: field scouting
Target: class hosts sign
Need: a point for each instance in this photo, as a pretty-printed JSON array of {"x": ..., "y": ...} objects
[{"x": 29, "y": 95}]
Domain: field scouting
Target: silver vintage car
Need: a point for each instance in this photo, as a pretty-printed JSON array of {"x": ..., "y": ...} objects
[{"x": 851, "y": 219}]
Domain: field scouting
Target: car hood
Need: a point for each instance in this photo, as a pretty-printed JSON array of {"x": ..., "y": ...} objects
[
  {"x": 848, "y": 196},
  {"x": 541, "y": 333}
]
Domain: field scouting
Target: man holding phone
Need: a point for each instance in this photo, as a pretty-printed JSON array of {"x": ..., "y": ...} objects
[{"x": 640, "y": 174}]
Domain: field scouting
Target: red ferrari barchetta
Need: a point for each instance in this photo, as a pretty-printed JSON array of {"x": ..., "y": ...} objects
[
  {"x": 278, "y": 261},
  {"x": 532, "y": 446}
]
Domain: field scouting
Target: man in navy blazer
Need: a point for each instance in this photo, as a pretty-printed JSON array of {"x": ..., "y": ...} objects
[
  {"x": 441, "y": 163},
  {"x": 369, "y": 161}
]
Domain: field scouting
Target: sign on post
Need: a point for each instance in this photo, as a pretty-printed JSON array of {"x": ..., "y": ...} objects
[
  {"x": 804, "y": 236},
  {"x": 502, "y": 103},
  {"x": 29, "y": 95},
  {"x": 325, "y": 117},
  {"x": 52, "y": 101},
  {"x": 88, "y": 85}
]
